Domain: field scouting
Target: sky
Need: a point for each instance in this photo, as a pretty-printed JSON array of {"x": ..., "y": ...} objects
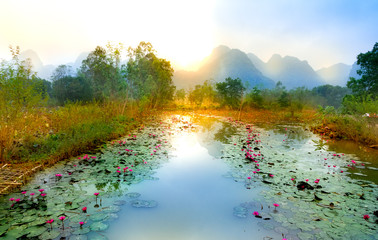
[{"x": 323, "y": 32}]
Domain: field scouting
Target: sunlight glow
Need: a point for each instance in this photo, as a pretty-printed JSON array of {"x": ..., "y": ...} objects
[{"x": 180, "y": 31}]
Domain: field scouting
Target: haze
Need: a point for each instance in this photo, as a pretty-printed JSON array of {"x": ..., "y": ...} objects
[{"x": 184, "y": 32}]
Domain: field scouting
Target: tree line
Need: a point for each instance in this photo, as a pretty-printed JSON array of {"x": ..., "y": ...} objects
[{"x": 147, "y": 79}]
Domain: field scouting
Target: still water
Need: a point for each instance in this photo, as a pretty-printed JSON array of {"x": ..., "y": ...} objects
[
  {"x": 195, "y": 200},
  {"x": 197, "y": 177}
]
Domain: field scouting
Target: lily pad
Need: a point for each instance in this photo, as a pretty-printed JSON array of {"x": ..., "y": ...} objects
[
  {"x": 132, "y": 195},
  {"x": 36, "y": 231},
  {"x": 80, "y": 231},
  {"x": 49, "y": 235},
  {"x": 99, "y": 226},
  {"x": 144, "y": 203},
  {"x": 78, "y": 237},
  {"x": 119, "y": 202}
]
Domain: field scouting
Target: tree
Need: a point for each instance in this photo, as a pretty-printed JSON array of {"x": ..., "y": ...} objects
[
  {"x": 19, "y": 86},
  {"x": 231, "y": 92},
  {"x": 284, "y": 99},
  {"x": 147, "y": 76},
  {"x": 101, "y": 68},
  {"x": 196, "y": 96},
  {"x": 20, "y": 92},
  {"x": 180, "y": 95},
  {"x": 255, "y": 98},
  {"x": 72, "y": 89},
  {"x": 368, "y": 83}
]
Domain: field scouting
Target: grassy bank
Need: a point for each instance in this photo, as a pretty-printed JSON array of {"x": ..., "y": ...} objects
[
  {"x": 363, "y": 130},
  {"x": 47, "y": 135},
  {"x": 360, "y": 129}
]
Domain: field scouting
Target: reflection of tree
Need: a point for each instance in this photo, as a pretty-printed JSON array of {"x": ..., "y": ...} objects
[
  {"x": 293, "y": 133},
  {"x": 225, "y": 133},
  {"x": 207, "y": 124},
  {"x": 101, "y": 185}
]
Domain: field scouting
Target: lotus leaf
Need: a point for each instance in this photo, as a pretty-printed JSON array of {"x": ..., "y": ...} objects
[{"x": 99, "y": 226}]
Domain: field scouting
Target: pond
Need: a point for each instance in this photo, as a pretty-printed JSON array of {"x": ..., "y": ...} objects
[{"x": 200, "y": 177}]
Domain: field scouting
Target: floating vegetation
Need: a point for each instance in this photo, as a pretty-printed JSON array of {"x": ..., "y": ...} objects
[
  {"x": 80, "y": 196},
  {"x": 305, "y": 191},
  {"x": 318, "y": 199}
]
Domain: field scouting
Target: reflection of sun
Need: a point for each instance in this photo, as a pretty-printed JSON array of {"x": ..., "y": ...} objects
[{"x": 185, "y": 144}]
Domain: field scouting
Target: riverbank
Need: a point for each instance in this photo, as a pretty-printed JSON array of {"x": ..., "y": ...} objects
[{"x": 42, "y": 138}]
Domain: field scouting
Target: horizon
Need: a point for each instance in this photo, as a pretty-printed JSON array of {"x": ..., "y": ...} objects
[{"x": 321, "y": 33}]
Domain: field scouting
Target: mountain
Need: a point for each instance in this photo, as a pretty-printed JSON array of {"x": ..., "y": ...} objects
[
  {"x": 292, "y": 72},
  {"x": 337, "y": 74},
  {"x": 223, "y": 62},
  {"x": 43, "y": 71},
  {"x": 353, "y": 71},
  {"x": 77, "y": 64}
]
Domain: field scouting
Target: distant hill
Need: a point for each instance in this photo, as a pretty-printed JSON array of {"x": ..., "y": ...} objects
[
  {"x": 223, "y": 62},
  {"x": 337, "y": 74},
  {"x": 43, "y": 71},
  {"x": 291, "y": 71},
  {"x": 353, "y": 71}
]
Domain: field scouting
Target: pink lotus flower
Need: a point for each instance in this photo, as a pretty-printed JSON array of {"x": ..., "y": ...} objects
[
  {"x": 249, "y": 177},
  {"x": 11, "y": 199},
  {"x": 41, "y": 190},
  {"x": 81, "y": 223},
  {"x": 50, "y": 222},
  {"x": 255, "y": 213},
  {"x": 292, "y": 179},
  {"x": 17, "y": 200},
  {"x": 58, "y": 175},
  {"x": 62, "y": 219},
  {"x": 96, "y": 194},
  {"x": 43, "y": 194},
  {"x": 118, "y": 171},
  {"x": 32, "y": 194},
  {"x": 24, "y": 192},
  {"x": 84, "y": 209},
  {"x": 130, "y": 170},
  {"x": 306, "y": 180},
  {"x": 276, "y": 204},
  {"x": 341, "y": 171},
  {"x": 366, "y": 217}
]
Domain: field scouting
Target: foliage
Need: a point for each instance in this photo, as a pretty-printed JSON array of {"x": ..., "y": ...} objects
[
  {"x": 180, "y": 94},
  {"x": 203, "y": 94},
  {"x": 66, "y": 131},
  {"x": 71, "y": 89},
  {"x": 196, "y": 96},
  {"x": 368, "y": 83},
  {"x": 148, "y": 76},
  {"x": 355, "y": 105},
  {"x": 20, "y": 92},
  {"x": 255, "y": 98},
  {"x": 330, "y": 95},
  {"x": 231, "y": 92},
  {"x": 102, "y": 70}
]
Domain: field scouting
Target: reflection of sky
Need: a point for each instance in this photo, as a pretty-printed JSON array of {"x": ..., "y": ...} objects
[{"x": 195, "y": 201}]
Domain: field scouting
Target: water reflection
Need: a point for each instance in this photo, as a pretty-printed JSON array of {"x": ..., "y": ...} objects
[{"x": 194, "y": 200}]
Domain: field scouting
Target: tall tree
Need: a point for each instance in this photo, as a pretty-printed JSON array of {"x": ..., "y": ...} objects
[
  {"x": 147, "y": 76},
  {"x": 368, "y": 83},
  {"x": 231, "y": 92},
  {"x": 101, "y": 68}
]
